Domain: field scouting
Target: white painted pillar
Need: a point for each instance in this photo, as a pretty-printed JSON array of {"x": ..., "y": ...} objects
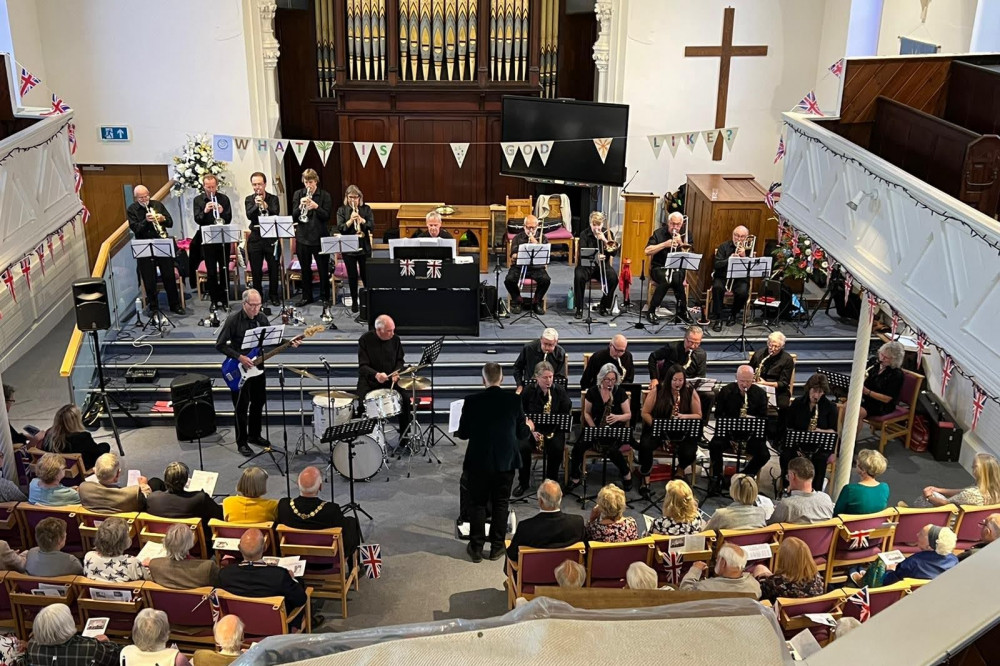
[
  {"x": 849, "y": 432},
  {"x": 8, "y": 470},
  {"x": 262, "y": 79}
]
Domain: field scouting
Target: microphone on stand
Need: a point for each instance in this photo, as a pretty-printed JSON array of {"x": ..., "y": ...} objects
[{"x": 326, "y": 364}]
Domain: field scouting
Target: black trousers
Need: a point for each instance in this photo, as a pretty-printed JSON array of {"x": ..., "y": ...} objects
[
  {"x": 659, "y": 276},
  {"x": 147, "y": 271},
  {"x": 741, "y": 290},
  {"x": 756, "y": 455},
  {"x": 216, "y": 269},
  {"x": 576, "y": 460},
  {"x": 818, "y": 460},
  {"x": 489, "y": 488},
  {"x": 249, "y": 404},
  {"x": 687, "y": 450},
  {"x": 538, "y": 274},
  {"x": 553, "y": 452},
  {"x": 257, "y": 252},
  {"x": 581, "y": 274},
  {"x": 306, "y": 254},
  {"x": 355, "y": 264}
]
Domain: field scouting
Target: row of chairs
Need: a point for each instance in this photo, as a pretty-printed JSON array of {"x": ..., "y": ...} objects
[{"x": 329, "y": 573}]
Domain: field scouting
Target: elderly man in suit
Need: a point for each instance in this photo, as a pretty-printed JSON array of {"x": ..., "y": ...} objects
[
  {"x": 254, "y": 578},
  {"x": 550, "y": 527},
  {"x": 105, "y": 495},
  {"x": 494, "y": 423}
]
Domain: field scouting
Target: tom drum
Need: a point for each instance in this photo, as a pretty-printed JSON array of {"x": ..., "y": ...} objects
[
  {"x": 382, "y": 403},
  {"x": 321, "y": 409}
]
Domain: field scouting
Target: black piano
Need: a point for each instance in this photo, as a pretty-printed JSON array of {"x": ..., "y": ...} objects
[{"x": 420, "y": 302}]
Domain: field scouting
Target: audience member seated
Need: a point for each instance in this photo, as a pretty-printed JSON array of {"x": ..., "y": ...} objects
[
  {"x": 883, "y": 382},
  {"x": 640, "y": 576},
  {"x": 12, "y": 649},
  {"x": 253, "y": 578},
  {"x": 985, "y": 471},
  {"x": 742, "y": 514},
  {"x": 795, "y": 574},
  {"x": 175, "y": 502},
  {"x": 249, "y": 504},
  {"x": 46, "y": 488},
  {"x": 10, "y": 559},
  {"x": 228, "y": 634},
  {"x": 570, "y": 574},
  {"x": 67, "y": 435},
  {"x": 10, "y": 491},
  {"x": 935, "y": 556},
  {"x": 803, "y": 504},
  {"x": 150, "y": 633},
  {"x": 106, "y": 496},
  {"x": 309, "y": 512},
  {"x": 108, "y": 561},
  {"x": 729, "y": 574},
  {"x": 178, "y": 570},
  {"x": 47, "y": 558},
  {"x": 550, "y": 527},
  {"x": 868, "y": 495},
  {"x": 607, "y": 520},
  {"x": 680, "y": 511},
  {"x": 16, "y": 436},
  {"x": 989, "y": 533},
  {"x": 54, "y": 640}
]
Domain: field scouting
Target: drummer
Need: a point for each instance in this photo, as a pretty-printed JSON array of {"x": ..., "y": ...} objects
[{"x": 380, "y": 358}]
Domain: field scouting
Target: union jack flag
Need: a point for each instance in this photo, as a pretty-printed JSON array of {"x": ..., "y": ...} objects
[
  {"x": 371, "y": 558},
  {"x": 921, "y": 343},
  {"x": 28, "y": 81},
  {"x": 71, "y": 130},
  {"x": 947, "y": 365},
  {"x": 795, "y": 237},
  {"x": 895, "y": 323},
  {"x": 781, "y": 149},
  {"x": 434, "y": 269},
  {"x": 77, "y": 180},
  {"x": 58, "y": 107},
  {"x": 62, "y": 238},
  {"x": 781, "y": 226},
  {"x": 862, "y": 599},
  {"x": 26, "y": 271},
  {"x": 40, "y": 251},
  {"x": 672, "y": 565},
  {"x": 978, "y": 404},
  {"x": 837, "y": 68},
  {"x": 809, "y": 104},
  {"x": 848, "y": 282},
  {"x": 213, "y": 602},
  {"x": 872, "y": 305},
  {"x": 52, "y": 250},
  {"x": 771, "y": 198},
  {"x": 859, "y": 539},
  {"x": 86, "y": 218},
  {"x": 8, "y": 279},
  {"x": 406, "y": 267}
]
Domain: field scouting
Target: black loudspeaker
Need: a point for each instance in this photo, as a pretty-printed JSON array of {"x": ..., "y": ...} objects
[
  {"x": 945, "y": 435},
  {"x": 90, "y": 299},
  {"x": 194, "y": 408}
]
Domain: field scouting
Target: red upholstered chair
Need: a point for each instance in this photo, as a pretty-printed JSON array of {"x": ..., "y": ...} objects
[
  {"x": 968, "y": 525},
  {"x": 154, "y": 528},
  {"x": 770, "y": 535},
  {"x": 264, "y": 616},
  {"x": 31, "y": 514},
  {"x": 189, "y": 612},
  {"x": 89, "y": 521},
  {"x": 878, "y": 529},
  {"x": 911, "y": 521},
  {"x": 8, "y": 623},
  {"x": 75, "y": 471},
  {"x": 327, "y": 570},
  {"x": 671, "y": 572},
  {"x": 223, "y": 530},
  {"x": 27, "y": 605},
  {"x": 537, "y": 566},
  {"x": 820, "y": 537},
  {"x": 608, "y": 562},
  {"x": 879, "y": 598},
  {"x": 10, "y": 528},
  {"x": 121, "y": 614},
  {"x": 899, "y": 423},
  {"x": 792, "y": 614}
]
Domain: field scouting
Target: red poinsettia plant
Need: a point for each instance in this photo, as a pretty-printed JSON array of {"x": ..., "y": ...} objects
[{"x": 796, "y": 256}]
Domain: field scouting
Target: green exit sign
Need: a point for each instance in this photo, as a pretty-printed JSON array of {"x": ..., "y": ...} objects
[{"x": 114, "y": 133}]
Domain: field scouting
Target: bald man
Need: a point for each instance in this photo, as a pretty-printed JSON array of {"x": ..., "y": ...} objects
[
  {"x": 729, "y": 404},
  {"x": 617, "y": 354},
  {"x": 143, "y": 216},
  {"x": 254, "y": 578},
  {"x": 741, "y": 287},
  {"x": 665, "y": 240},
  {"x": 380, "y": 358},
  {"x": 228, "y": 634},
  {"x": 539, "y": 274},
  {"x": 309, "y": 512}
]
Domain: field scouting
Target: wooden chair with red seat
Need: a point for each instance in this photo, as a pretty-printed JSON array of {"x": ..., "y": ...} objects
[
  {"x": 223, "y": 530},
  {"x": 75, "y": 471},
  {"x": 120, "y": 612},
  {"x": 608, "y": 562},
  {"x": 537, "y": 566},
  {"x": 969, "y": 524},
  {"x": 860, "y": 539},
  {"x": 912, "y": 520},
  {"x": 792, "y": 614},
  {"x": 517, "y": 209},
  {"x": 154, "y": 528},
  {"x": 189, "y": 612},
  {"x": 265, "y": 616},
  {"x": 30, "y": 515},
  {"x": 820, "y": 537},
  {"x": 561, "y": 236},
  {"x": 670, "y": 570},
  {"x": 899, "y": 422},
  {"x": 770, "y": 535},
  {"x": 8, "y": 620},
  {"x": 329, "y": 577},
  {"x": 89, "y": 521},
  {"x": 26, "y": 604},
  {"x": 11, "y": 529},
  {"x": 879, "y": 598}
]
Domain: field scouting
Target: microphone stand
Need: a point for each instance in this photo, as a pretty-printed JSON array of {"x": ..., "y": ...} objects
[
  {"x": 329, "y": 415},
  {"x": 495, "y": 307},
  {"x": 284, "y": 429}
]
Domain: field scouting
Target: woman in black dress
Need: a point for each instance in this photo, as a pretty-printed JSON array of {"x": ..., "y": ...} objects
[
  {"x": 672, "y": 390},
  {"x": 67, "y": 435},
  {"x": 355, "y": 217},
  {"x": 883, "y": 383},
  {"x": 605, "y": 404}
]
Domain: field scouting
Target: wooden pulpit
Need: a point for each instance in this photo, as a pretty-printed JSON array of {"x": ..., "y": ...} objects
[
  {"x": 738, "y": 200},
  {"x": 637, "y": 226}
]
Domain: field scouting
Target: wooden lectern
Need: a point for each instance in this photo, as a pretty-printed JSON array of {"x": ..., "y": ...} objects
[{"x": 638, "y": 222}]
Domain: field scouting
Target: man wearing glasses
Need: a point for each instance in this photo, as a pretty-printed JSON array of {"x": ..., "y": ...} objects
[{"x": 618, "y": 355}]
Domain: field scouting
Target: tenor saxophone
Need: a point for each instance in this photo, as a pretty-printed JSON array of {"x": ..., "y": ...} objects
[
  {"x": 743, "y": 409},
  {"x": 546, "y": 409},
  {"x": 814, "y": 419}
]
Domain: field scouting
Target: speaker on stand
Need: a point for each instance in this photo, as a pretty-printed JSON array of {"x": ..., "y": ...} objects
[{"x": 194, "y": 409}]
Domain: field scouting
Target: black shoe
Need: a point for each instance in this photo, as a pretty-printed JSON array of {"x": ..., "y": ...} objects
[
  {"x": 627, "y": 484},
  {"x": 538, "y": 309},
  {"x": 652, "y": 317},
  {"x": 476, "y": 555},
  {"x": 644, "y": 490},
  {"x": 717, "y": 325},
  {"x": 178, "y": 310},
  {"x": 275, "y": 300},
  {"x": 520, "y": 491},
  {"x": 355, "y": 307},
  {"x": 731, "y": 321},
  {"x": 260, "y": 441},
  {"x": 515, "y": 308},
  {"x": 245, "y": 450},
  {"x": 571, "y": 485},
  {"x": 497, "y": 553},
  {"x": 302, "y": 302},
  {"x": 579, "y": 314},
  {"x": 603, "y": 311}
]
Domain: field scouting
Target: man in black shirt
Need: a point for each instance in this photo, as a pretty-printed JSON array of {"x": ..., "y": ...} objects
[
  {"x": 586, "y": 270},
  {"x": 741, "y": 287},
  {"x": 433, "y": 230},
  {"x": 545, "y": 348},
  {"x": 618, "y": 355},
  {"x": 261, "y": 202},
  {"x": 380, "y": 358},
  {"x": 309, "y": 512},
  {"x": 213, "y": 207},
  {"x": 539, "y": 274},
  {"x": 142, "y": 214},
  {"x": 312, "y": 209},
  {"x": 254, "y": 578},
  {"x": 666, "y": 239},
  {"x": 688, "y": 354},
  {"x": 534, "y": 400},
  {"x": 732, "y": 400}
]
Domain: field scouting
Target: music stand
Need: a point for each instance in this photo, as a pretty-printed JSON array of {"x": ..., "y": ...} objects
[
  {"x": 331, "y": 245},
  {"x": 258, "y": 338},
  {"x": 603, "y": 438},
  {"x": 811, "y": 442},
  {"x": 429, "y": 356},
  {"x": 739, "y": 431},
  {"x": 680, "y": 261},
  {"x": 152, "y": 249},
  {"x": 674, "y": 431},
  {"x": 554, "y": 423},
  {"x": 588, "y": 253},
  {"x": 744, "y": 268},
  {"x": 279, "y": 227},
  {"x": 557, "y": 380},
  {"x": 221, "y": 234},
  {"x": 840, "y": 383},
  {"x": 533, "y": 255},
  {"x": 348, "y": 432}
]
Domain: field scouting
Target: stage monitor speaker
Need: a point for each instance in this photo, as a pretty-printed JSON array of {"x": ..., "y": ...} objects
[
  {"x": 90, "y": 299},
  {"x": 194, "y": 408}
]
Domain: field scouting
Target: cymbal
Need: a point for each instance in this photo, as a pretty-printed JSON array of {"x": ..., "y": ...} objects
[
  {"x": 412, "y": 369},
  {"x": 334, "y": 394},
  {"x": 302, "y": 373},
  {"x": 420, "y": 383}
]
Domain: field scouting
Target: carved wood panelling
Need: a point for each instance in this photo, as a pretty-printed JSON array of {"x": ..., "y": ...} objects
[{"x": 918, "y": 83}]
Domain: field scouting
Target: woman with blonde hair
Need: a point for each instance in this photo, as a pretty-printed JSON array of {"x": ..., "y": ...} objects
[
  {"x": 868, "y": 495},
  {"x": 743, "y": 513},
  {"x": 607, "y": 521},
  {"x": 249, "y": 504},
  {"x": 46, "y": 488},
  {"x": 355, "y": 218},
  {"x": 680, "y": 511},
  {"x": 985, "y": 491},
  {"x": 795, "y": 574},
  {"x": 67, "y": 435}
]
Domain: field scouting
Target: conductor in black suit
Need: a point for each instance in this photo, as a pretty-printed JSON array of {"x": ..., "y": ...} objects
[
  {"x": 494, "y": 423},
  {"x": 253, "y": 578},
  {"x": 550, "y": 527}
]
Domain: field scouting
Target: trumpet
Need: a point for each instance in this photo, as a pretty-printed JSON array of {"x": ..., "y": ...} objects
[
  {"x": 304, "y": 206},
  {"x": 215, "y": 208},
  {"x": 261, "y": 203},
  {"x": 160, "y": 231},
  {"x": 748, "y": 245}
]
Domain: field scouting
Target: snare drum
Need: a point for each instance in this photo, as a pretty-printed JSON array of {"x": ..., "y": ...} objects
[
  {"x": 382, "y": 403},
  {"x": 321, "y": 409},
  {"x": 369, "y": 456}
]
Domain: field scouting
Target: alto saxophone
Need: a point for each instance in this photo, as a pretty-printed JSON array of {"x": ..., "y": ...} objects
[
  {"x": 814, "y": 419},
  {"x": 605, "y": 418},
  {"x": 546, "y": 409},
  {"x": 676, "y": 410},
  {"x": 760, "y": 369},
  {"x": 743, "y": 409}
]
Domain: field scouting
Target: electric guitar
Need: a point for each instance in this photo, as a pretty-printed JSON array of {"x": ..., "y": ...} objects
[{"x": 235, "y": 374}]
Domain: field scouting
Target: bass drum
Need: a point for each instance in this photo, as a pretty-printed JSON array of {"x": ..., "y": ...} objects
[
  {"x": 369, "y": 456},
  {"x": 342, "y": 408}
]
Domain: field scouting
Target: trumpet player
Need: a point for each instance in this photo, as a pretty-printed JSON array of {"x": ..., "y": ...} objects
[
  {"x": 355, "y": 218},
  {"x": 212, "y": 207},
  {"x": 740, "y": 286},
  {"x": 596, "y": 236},
  {"x": 261, "y": 202},
  {"x": 312, "y": 208},
  {"x": 543, "y": 397},
  {"x": 665, "y": 240},
  {"x": 516, "y": 274},
  {"x": 149, "y": 219},
  {"x": 736, "y": 399}
]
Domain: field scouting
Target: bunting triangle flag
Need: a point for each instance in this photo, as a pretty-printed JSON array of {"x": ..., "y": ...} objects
[
  {"x": 241, "y": 143},
  {"x": 603, "y": 146},
  {"x": 690, "y": 139},
  {"x": 299, "y": 147},
  {"x": 383, "y": 150},
  {"x": 673, "y": 142},
  {"x": 711, "y": 136},
  {"x": 364, "y": 150},
  {"x": 460, "y": 150},
  {"x": 263, "y": 145},
  {"x": 543, "y": 149},
  {"x": 279, "y": 147},
  {"x": 510, "y": 151},
  {"x": 323, "y": 148},
  {"x": 656, "y": 143},
  {"x": 729, "y": 136},
  {"x": 527, "y": 149}
]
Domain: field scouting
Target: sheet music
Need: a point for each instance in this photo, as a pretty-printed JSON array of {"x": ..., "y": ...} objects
[
  {"x": 110, "y": 595},
  {"x": 455, "y": 415},
  {"x": 648, "y": 520},
  {"x": 770, "y": 395},
  {"x": 822, "y": 618},
  {"x": 202, "y": 480},
  {"x": 133, "y": 477},
  {"x": 892, "y": 557},
  {"x": 757, "y": 551}
]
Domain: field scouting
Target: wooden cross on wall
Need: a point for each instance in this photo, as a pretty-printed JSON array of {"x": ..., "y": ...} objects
[{"x": 725, "y": 53}]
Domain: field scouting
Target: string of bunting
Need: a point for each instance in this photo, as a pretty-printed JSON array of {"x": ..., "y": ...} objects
[{"x": 24, "y": 149}]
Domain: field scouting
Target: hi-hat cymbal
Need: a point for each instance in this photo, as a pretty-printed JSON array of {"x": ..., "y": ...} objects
[
  {"x": 334, "y": 394},
  {"x": 407, "y": 383},
  {"x": 302, "y": 373}
]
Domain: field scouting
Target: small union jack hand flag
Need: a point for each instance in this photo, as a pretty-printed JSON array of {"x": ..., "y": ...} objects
[
  {"x": 978, "y": 404},
  {"x": 8, "y": 279},
  {"x": 848, "y": 282},
  {"x": 28, "y": 81},
  {"x": 77, "y": 180},
  {"x": 837, "y": 68},
  {"x": 672, "y": 565},
  {"x": 58, "y": 107},
  {"x": 40, "y": 251},
  {"x": 771, "y": 198},
  {"x": 859, "y": 539},
  {"x": 371, "y": 558},
  {"x": 862, "y": 599},
  {"x": 947, "y": 366},
  {"x": 213, "y": 602},
  {"x": 921, "y": 344},
  {"x": 810, "y": 105},
  {"x": 434, "y": 269},
  {"x": 406, "y": 267},
  {"x": 781, "y": 150},
  {"x": 26, "y": 271}
]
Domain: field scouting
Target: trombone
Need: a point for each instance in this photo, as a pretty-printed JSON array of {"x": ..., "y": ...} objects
[
  {"x": 748, "y": 245},
  {"x": 610, "y": 245},
  {"x": 678, "y": 243}
]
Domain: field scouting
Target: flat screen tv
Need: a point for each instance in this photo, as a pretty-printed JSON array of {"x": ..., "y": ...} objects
[{"x": 573, "y": 126}]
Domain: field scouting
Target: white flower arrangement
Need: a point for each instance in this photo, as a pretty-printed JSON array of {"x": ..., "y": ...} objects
[{"x": 196, "y": 160}]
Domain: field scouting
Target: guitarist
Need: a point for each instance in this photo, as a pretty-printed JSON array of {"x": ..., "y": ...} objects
[{"x": 249, "y": 400}]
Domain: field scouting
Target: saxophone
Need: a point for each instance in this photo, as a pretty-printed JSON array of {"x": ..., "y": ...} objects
[
  {"x": 690, "y": 358},
  {"x": 814, "y": 419},
  {"x": 676, "y": 410},
  {"x": 607, "y": 412},
  {"x": 760, "y": 369},
  {"x": 743, "y": 409},
  {"x": 546, "y": 409}
]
